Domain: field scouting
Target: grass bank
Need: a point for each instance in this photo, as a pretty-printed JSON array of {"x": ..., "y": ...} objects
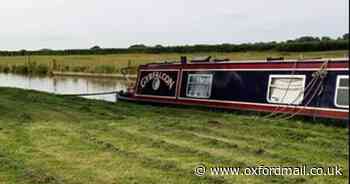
[
  {"x": 118, "y": 62},
  {"x": 52, "y": 139}
]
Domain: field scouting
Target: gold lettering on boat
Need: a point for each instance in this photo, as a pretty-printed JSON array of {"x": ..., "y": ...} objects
[{"x": 157, "y": 75}]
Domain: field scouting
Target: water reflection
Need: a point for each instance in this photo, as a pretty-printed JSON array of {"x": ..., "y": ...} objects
[{"x": 65, "y": 84}]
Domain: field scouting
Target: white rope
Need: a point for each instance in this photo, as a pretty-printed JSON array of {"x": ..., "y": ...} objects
[
  {"x": 320, "y": 74},
  {"x": 310, "y": 100},
  {"x": 90, "y": 94},
  {"x": 275, "y": 111}
]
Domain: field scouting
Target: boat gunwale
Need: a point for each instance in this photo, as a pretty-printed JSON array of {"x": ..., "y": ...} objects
[{"x": 332, "y": 61}]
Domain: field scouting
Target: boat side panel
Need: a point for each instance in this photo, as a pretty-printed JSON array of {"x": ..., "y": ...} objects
[
  {"x": 252, "y": 86},
  {"x": 162, "y": 83}
]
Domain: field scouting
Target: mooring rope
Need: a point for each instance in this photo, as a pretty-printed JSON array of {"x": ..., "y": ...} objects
[
  {"x": 91, "y": 94},
  {"x": 320, "y": 74},
  {"x": 319, "y": 87},
  {"x": 307, "y": 91},
  {"x": 276, "y": 110}
]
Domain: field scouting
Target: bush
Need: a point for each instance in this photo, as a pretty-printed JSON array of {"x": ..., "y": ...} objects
[
  {"x": 80, "y": 69},
  {"x": 5, "y": 69},
  {"x": 105, "y": 69},
  {"x": 41, "y": 70},
  {"x": 19, "y": 69}
]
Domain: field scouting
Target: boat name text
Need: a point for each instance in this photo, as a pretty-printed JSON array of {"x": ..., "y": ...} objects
[{"x": 157, "y": 75}]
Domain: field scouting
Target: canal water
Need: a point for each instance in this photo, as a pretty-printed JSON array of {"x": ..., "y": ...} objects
[{"x": 66, "y": 84}]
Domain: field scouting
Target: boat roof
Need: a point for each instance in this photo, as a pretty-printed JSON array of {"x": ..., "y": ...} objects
[{"x": 252, "y": 61}]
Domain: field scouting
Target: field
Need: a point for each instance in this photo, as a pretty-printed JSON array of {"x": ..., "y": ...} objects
[
  {"x": 51, "y": 139},
  {"x": 115, "y": 63}
]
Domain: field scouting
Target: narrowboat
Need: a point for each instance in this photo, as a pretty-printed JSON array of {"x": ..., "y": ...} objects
[{"x": 305, "y": 87}]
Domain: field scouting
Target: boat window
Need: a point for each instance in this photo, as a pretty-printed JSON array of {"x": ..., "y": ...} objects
[
  {"x": 286, "y": 89},
  {"x": 342, "y": 92},
  {"x": 199, "y": 85}
]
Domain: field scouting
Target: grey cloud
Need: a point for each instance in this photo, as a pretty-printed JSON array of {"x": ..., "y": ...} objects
[{"x": 33, "y": 24}]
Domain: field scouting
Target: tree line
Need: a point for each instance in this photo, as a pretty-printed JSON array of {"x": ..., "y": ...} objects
[{"x": 302, "y": 44}]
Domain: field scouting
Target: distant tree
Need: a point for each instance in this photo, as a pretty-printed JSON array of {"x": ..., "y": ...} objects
[
  {"x": 45, "y": 49},
  {"x": 307, "y": 39},
  {"x": 96, "y": 47},
  {"x": 138, "y": 46},
  {"x": 23, "y": 52},
  {"x": 326, "y": 38},
  {"x": 304, "y": 43}
]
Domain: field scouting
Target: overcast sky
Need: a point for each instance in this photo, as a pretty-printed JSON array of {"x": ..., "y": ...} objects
[{"x": 59, "y": 24}]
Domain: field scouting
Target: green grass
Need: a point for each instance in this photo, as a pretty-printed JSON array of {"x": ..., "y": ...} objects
[
  {"x": 51, "y": 139},
  {"x": 114, "y": 63}
]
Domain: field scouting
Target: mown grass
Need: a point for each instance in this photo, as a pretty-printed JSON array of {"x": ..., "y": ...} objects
[
  {"x": 117, "y": 62},
  {"x": 53, "y": 139}
]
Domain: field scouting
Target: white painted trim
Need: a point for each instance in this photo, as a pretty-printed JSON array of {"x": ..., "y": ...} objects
[
  {"x": 200, "y": 75},
  {"x": 339, "y": 77},
  {"x": 178, "y": 84},
  {"x": 157, "y": 69},
  {"x": 277, "y": 61},
  {"x": 260, "y": 61},
  {"x": 156, "y": 96},
  {"x": 303, "y": 77},
  {"x": 263, "y": 104},
  {"x": 138, "y": 80},
  {"x": 267, "y": 69}
]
